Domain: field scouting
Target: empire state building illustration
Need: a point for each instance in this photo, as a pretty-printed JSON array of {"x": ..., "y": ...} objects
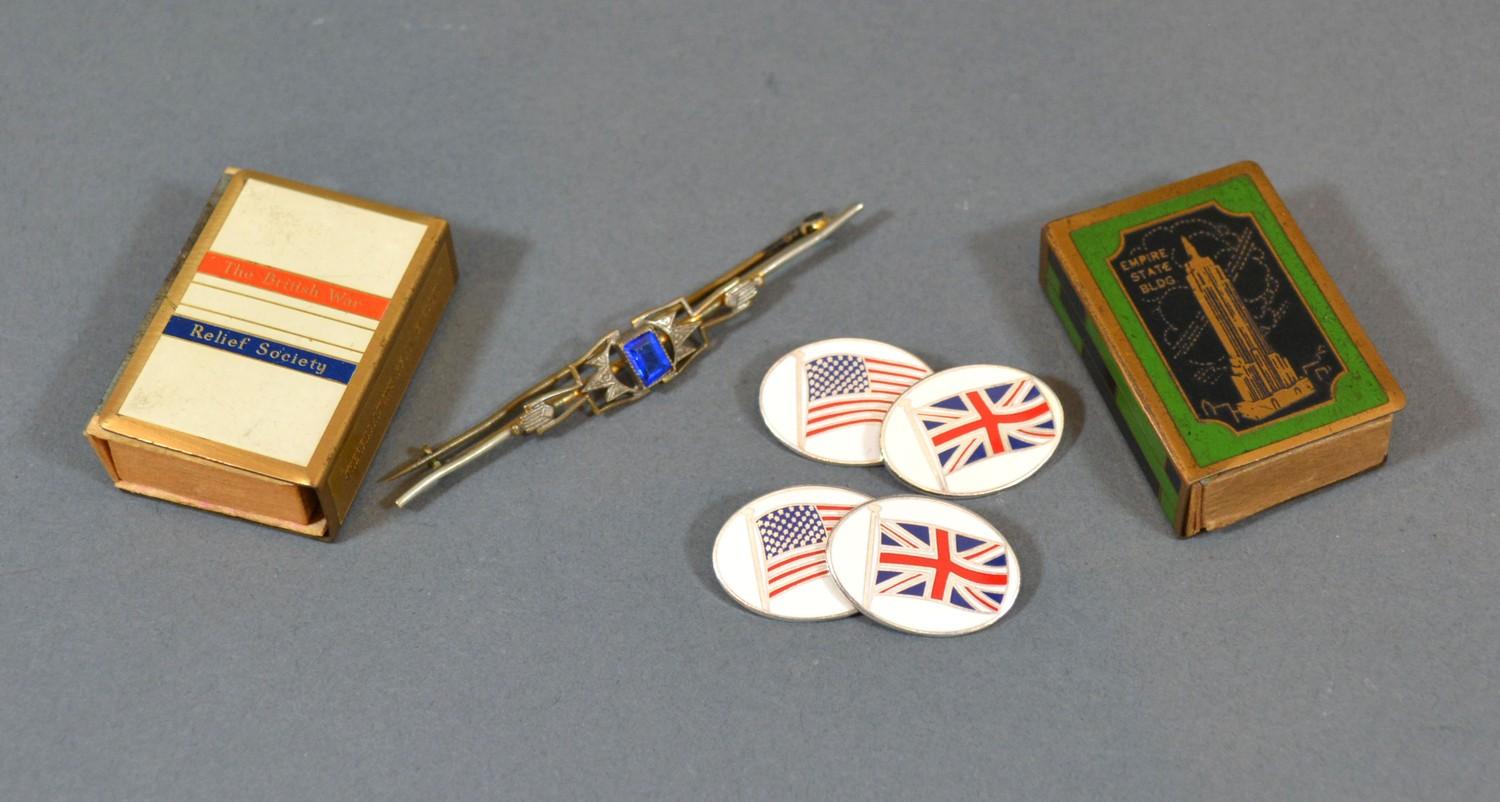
[{"x": 1266, "y": 381}]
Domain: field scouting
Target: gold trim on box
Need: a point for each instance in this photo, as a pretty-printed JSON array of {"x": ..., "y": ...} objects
[
  {"x": 406, "y": 318},
  {"x": 1134, "y": 373}
]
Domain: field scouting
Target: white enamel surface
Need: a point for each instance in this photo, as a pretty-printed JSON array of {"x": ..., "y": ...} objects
[
  {"x": 781, "y": 403},
  {"x": 911, "y": 457},
  {"x": 253, "y": 405},
  {"x": 319, "y": 237},
  {"x": 852, "y": 552},
  {"x": 737, "y": 559}
]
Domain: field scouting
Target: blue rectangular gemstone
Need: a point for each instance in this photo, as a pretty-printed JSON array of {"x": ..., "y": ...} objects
[{"x": 647, "y": 358}]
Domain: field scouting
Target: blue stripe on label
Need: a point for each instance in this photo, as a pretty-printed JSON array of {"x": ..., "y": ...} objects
[{"x": 238, "y": 342}]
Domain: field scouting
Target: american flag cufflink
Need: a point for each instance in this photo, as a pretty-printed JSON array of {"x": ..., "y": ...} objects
[
  {"x": 971, "y": 430},
  {"x": 770, "y": 554},
  {"x": 622, "y": 368},
  {"x": 826, "y": 400}
]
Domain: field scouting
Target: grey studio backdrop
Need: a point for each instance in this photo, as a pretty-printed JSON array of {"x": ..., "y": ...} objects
[{"x": 550, "y": 626}]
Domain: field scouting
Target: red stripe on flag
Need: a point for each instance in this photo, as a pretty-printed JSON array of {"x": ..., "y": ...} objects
[
  {"x": 989, "y": 420},
  {"x": 878, "y": 408},
  {"x": 979, "y": 597},
  {"x": 795, "y": 557},
  {"x": 832, "y": 404},
  {"x": 819, "y": 564},
  {"x": 884, "y": 403},
  {"x": 842, "y": 424},
  {"x": 946, "y": 563},
  {"x": 874, "y": 372},
  {"x": 976, "y": 555},
  {"x": 787, "y": 587},
  {"x": 294, "y": 285},
  {"x": 901, "y": 365}
]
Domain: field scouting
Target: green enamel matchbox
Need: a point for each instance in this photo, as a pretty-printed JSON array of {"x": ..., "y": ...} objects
[{"x": 1225, "y": 353}]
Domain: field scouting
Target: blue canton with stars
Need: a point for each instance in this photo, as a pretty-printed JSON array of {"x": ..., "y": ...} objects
[
  {"x": 839, "y": 374},
  {"x": 790, "y": 528}
]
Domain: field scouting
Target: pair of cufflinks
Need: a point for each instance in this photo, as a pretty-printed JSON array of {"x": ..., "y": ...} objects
[
  {"x": 964, "y": 431},
  {"x": 916, "y": 564},
  {"x": 913, "y": 563}
]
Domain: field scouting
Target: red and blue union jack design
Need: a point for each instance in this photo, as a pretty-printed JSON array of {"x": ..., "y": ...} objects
[
  {"x": 846, "y": 390},
  {"x": 793, "y": 539},
  {"x": 931, "y": 562},
  {"x": 978, "y": 424}
]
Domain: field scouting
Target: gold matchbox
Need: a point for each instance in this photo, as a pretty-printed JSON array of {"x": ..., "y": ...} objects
[
  {"x": 276, "y": 353},
  {"x": 1229, "y": 360}
]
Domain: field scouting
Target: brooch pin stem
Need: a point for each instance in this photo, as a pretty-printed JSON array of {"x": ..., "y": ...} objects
[{"x": 620, "y": 369}]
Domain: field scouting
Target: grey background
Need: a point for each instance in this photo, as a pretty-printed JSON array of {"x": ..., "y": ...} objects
[{"x": 550, "y": 627}]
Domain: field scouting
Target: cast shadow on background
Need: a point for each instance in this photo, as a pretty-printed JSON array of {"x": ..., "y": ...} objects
[
  {"x": 844, "y": 245},
  {"x": 1008, "y": 258},
  {"x": 1403, "y": 337},
  {"x": 488, "y": 263},
  {"x": 114, "y": 317}
]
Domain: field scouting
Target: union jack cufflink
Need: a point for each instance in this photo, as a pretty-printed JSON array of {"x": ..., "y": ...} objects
[
  {"x": 827, "y": 400},
  {"x": 924, "y": 566},
  {"x": 972, "y": 430}
]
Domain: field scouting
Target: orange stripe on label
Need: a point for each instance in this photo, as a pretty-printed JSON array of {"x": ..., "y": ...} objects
[{"x": 294, "y": 285}]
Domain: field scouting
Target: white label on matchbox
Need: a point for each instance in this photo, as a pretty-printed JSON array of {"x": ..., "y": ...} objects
[{"x": 262, "y": 345}]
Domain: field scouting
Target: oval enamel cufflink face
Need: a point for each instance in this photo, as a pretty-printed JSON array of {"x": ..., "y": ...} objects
[
  {"x": 971, "y": 430},
  {"x": 924, "y": 566},
  {"x": 826, "y": 400},
  {"x": 770, "y": 556}
]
